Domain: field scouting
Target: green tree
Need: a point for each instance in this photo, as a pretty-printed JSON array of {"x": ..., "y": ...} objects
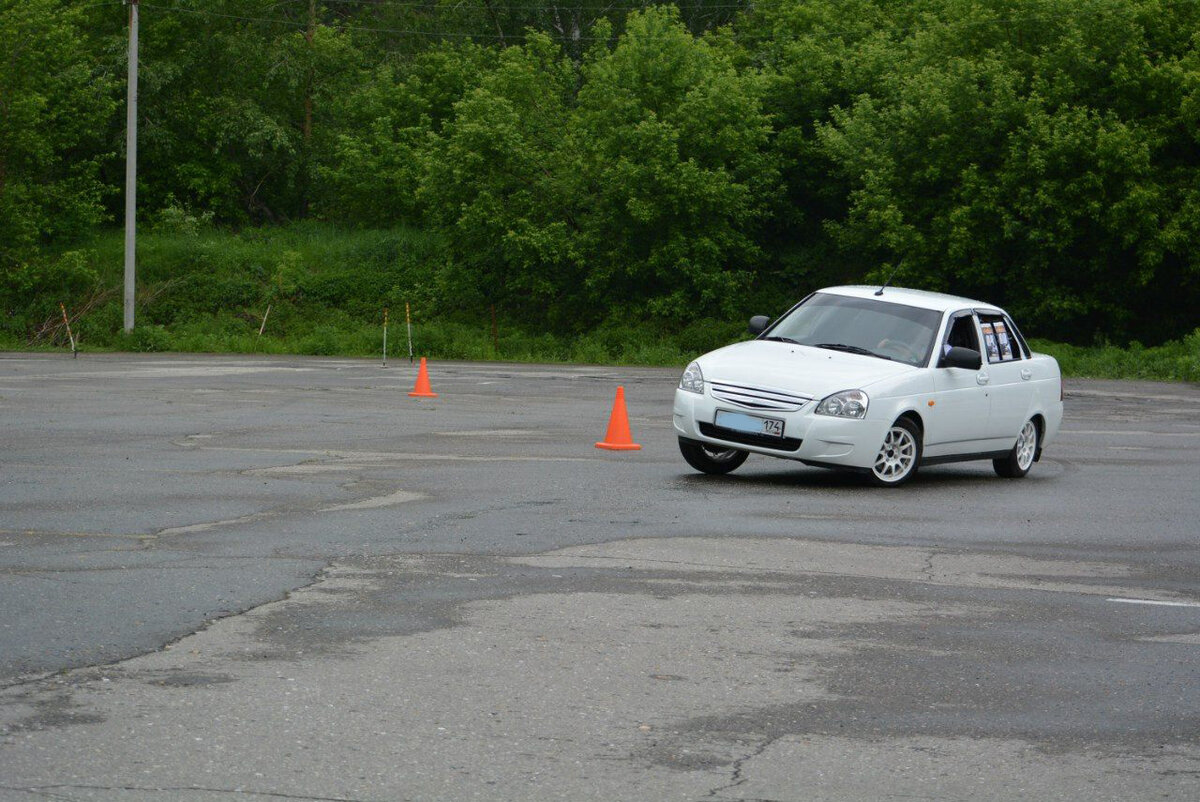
[
  {"x": 496, "y": 184},
  {"x": 637, "y": 194},
  {"x": 384, "y": 127},
  {"x": 1034, "y": 156},
  {"x": 236, "y": 106},
  {"x": 55, "y": 105},
  {"x": 815, "y": 57},
  {"x": 677, "y": 171},
  {"x": 407, "y": 27}
]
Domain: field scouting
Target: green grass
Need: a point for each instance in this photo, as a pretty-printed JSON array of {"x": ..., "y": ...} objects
[
  {"x": 646, "y": 346},
  {"x": 202, "y": 290},
  {"x": 1173, "y": 361},
  {"x": 450, "y": 340},
  {"x": 326, "y": 289}
]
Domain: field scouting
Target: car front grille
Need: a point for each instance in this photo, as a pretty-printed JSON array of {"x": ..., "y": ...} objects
[
  {"x": 758, "y": 397},
  {"x": 747, "y": 439}
]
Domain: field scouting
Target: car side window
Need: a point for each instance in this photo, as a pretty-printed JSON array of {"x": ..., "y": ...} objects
[
  {"x": 961, "y": 334},
  {"x": 999, "y": 340},
  {"x": 1020, "y": 347}
]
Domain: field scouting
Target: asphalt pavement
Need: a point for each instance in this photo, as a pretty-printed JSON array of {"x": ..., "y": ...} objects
[{"x": 271, "y": 577}]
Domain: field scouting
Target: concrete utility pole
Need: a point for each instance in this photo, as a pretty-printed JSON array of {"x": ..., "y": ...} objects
[
  {"x": 131, "y": 167},
  {"x": 309, "y": 35}
]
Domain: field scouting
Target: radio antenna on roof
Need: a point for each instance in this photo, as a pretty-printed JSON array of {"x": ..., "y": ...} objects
[{"x": 891, "y": 276}]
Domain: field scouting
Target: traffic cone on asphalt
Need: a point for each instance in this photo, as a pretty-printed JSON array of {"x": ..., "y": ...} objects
[
  {"x": 423, "y": 390},
  {"x": 618, "y": 437}
]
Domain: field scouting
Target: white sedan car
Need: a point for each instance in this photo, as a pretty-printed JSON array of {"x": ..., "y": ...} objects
[{"x": 878, "y": 380}]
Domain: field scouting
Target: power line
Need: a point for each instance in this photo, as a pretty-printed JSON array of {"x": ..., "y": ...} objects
[
  {"x": 617, "y": 5},
  {"x": 299, "y": 25},
  {"x": 434, "y": 10},
  {"x": 216, "y": 14}
]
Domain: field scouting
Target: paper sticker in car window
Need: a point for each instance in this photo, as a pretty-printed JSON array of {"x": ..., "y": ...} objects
[
  {"x": 1006, "y": 351},
  {"x": 989, "y": 339}
]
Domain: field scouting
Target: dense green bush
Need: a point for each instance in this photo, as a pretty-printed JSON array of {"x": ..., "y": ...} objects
[
  {"x": 30, "y": 292},
  {"x": 1173, "y": 361},
  {"x": 146, "y": 337}
]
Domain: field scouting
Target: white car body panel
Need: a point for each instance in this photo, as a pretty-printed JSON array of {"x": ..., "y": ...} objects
[
  {"x": 962, "y": 413},
  {"x": 811, "y": 372}
]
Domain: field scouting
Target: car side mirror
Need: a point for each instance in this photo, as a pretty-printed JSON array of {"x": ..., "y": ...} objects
[
  {"x": 959, "y": 357},
  {"x": 758, "y": 324}
]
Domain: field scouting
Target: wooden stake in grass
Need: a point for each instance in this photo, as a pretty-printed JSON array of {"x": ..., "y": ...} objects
[
  {"x": 264, "y": 323},
  {"x": 408, "y": 320},
  {"x": 70, "y": 336},
  {"x": 385, "y": 313}
]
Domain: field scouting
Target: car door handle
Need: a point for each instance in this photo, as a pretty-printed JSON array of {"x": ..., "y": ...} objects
[
  {"x": 982, "y": 379},
  {"x": 1026, "y": 374}
]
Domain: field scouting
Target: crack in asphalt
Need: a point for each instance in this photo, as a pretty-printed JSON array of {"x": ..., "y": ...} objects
[
  {"x": 56, "y": 533},
  {"x": 629, "y": 561},
  {"x": 59, "y": 574},
  {"x": 927, "y": 568},
  {"x": 737, "y": 774},
  {"x": 35, "y": 678}
]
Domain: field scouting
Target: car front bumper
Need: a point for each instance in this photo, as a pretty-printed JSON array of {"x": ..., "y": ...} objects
[{"x": 807, "y": 437}]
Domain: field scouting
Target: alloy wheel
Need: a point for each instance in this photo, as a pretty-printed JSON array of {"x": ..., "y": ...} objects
[
  {"x": 1026, "y": 445},
  {"x": 897, "y": 456}
]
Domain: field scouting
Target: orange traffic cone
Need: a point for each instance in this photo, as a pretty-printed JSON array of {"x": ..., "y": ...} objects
[
  {"x": 618, "y": 437},
  {"x": 423, "y": 390}
]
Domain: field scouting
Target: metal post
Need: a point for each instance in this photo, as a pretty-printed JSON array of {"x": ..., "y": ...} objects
[{"x": 131, "y": 167}]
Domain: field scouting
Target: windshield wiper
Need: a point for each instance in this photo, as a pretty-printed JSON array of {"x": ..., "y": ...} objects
[
  {"x": 852, "y": 349},
  {"x": 782, "y": 340}
]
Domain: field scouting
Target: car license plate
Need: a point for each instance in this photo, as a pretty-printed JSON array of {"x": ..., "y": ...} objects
[{"x": 750, "y": 424}]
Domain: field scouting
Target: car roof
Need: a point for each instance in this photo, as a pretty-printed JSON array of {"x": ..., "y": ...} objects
[{"x": 919, "y": 298}]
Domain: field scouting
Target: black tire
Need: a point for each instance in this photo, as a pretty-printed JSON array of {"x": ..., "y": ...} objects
[
  {"x": 899, "y": 455},
  {"x": 711, "y": 459},
  {"x": 1024, "y": 451}
]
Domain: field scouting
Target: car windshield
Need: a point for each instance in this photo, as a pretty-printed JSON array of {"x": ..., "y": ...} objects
[{"x": 862, "y": 326}]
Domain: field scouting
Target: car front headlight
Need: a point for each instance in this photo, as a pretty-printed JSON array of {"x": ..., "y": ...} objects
[
  {"x": 846, "y": 404},
  {"x": 693, "y": 379}
]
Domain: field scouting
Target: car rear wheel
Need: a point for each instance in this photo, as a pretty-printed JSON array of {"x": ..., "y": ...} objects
[
  {"x": 711, "y": 459},
  {"x": 899, "y": 455},
  {"x": 1020, "y": 459}
]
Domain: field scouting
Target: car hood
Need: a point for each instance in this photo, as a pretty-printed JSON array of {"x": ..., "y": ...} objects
[{"x": 799, "y": 369}]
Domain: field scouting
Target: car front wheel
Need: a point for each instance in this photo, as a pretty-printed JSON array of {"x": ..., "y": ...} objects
[
  {"x": 1020, "y": 459},
  {"x": 711, "y": 459},
  {"x": 899, "y": 455}
]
